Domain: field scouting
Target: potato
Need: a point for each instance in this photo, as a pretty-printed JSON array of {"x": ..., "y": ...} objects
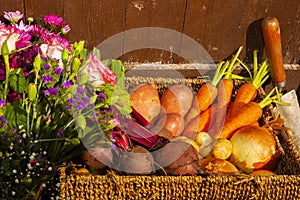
[
  {"x": 172, "y": 122},
  {"x": 145, "y": 103},
  {"x": 177, "y": 99}
]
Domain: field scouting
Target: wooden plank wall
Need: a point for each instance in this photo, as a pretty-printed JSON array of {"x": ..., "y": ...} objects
[{"x": 220, "y": 26}]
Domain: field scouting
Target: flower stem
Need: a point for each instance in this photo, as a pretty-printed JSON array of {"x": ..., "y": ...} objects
[{"x": 7, "y": 70}]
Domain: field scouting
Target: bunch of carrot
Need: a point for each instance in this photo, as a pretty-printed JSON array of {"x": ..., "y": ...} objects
[
  {"x": 204, "y": 111},
  {"x": 223, "y": 118}
]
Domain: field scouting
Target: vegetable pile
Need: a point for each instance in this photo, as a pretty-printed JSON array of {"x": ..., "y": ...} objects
[{"x": 216, "y": 129}]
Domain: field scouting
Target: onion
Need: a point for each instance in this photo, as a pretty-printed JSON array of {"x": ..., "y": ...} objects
[
  {"x": 218, "y": 166},
  {"x": 222, "y": 149},
  {"x": 253, "y": 148}
]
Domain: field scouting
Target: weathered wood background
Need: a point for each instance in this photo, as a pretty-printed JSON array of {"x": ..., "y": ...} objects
[{"x": 219, "y": 26}]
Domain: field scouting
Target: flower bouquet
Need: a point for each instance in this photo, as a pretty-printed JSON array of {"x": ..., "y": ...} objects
[{"x": 55, "y": 98}]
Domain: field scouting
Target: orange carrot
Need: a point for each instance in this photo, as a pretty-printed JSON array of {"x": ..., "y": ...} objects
[
  {"x": 249, "y": 114},
  {"x": 209, "y": 91},
  {"x": 225, "y": 92},
  {"x": 247, "y": 92},
  {"x": 200, "y": 123}
]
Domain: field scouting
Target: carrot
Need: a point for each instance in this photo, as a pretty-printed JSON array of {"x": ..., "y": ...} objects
[
  {"x": 249, "y": 114},
  {"x": 247, "y": 92},
  {"x": 200, "y": 123},
  {"x": 225, "y": 89},
  {"x": 225, "y": 92},
  {"x": 209, "y": 91}
]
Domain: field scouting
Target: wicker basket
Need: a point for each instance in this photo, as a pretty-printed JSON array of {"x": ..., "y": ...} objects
[{"x": 285, "y": 185}]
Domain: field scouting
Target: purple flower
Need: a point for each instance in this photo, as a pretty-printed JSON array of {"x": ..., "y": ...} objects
[
  {"x": 4, "y": 123},
  {"x": 47, "y": 67},
  {"x": 52, "y": 91},
  {"x": 2, "y": 103},
  {"x": 66, "y": 84},
  {"x": 70, "y": 100},
  {"x": 47, "y": 79},
  {"x": 68, "y": 107},
  {"x": 81, "y": 105},
  {"x": 80, "y": 90},
  {"x": 58, "y": 70},
  {"x": 101, "y": 96},
  {"x": 54, "y": 20},
  {"x": 60, "y": 133}
]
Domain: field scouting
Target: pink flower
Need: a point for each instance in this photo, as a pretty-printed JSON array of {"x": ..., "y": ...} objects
[
  {"x": 11, "y": 35},
  {"x": 54, "y": 20},
  {"x": 66, "y": 29},
  {"x": 13, "y": 17},
  {"x": 98, "y": 72},
  {"x": 53, "y": 46},
  {"x": 23, "y": 27}
]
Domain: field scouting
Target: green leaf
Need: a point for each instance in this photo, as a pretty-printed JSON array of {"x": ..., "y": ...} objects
[
  {"x": 93, "y": 99},
  {"x": 119, "y": 69},
  {"x": 84, "y": 77},
  {"x": 15, "y": 115},
  {"x": 17, "y": 81},
  {"x": 5, "y": 50},
  {"x": 37, "y": 63},
  {"x": 78, "y": 47},
  {"x": 81, "y": 122}
]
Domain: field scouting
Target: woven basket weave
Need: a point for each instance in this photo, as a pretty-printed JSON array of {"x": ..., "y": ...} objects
[{"x": 285, "y": 185}]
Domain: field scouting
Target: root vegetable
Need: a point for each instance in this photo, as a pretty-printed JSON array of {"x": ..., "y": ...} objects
[
  {"x": 137, "y": 161},
  {"x": 177, "y": 99},
  {"x": 222, "y": 149},
  {"x": 200, "y": 123},
  {"x": 172, "y": 122},
  {"x": 218, "y": 166},
  {"x": 205, "y": 143},
  {"x": 249, "y": 114},
  {"x": 145, "y": 103},
  {"x": 178, "y": 158},
  {"x": 253, "y": 148}
]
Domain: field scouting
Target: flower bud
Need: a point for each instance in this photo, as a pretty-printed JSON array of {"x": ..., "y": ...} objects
[
  {"x": 37, "y": 63},
  {"x": 32, "y": 91},
  {"x": 75, "y": 141},
  {"x": 65, "y": 55},
  {"x": 30, "y": 19},
  {"x": 75, "y": 65}
]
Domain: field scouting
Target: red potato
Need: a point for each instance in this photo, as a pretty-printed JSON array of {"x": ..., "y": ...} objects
[
  {"x": 172, "y": 122},
  {"x": 177, "y": 99},
  {"x": 145, "y": 103}
]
